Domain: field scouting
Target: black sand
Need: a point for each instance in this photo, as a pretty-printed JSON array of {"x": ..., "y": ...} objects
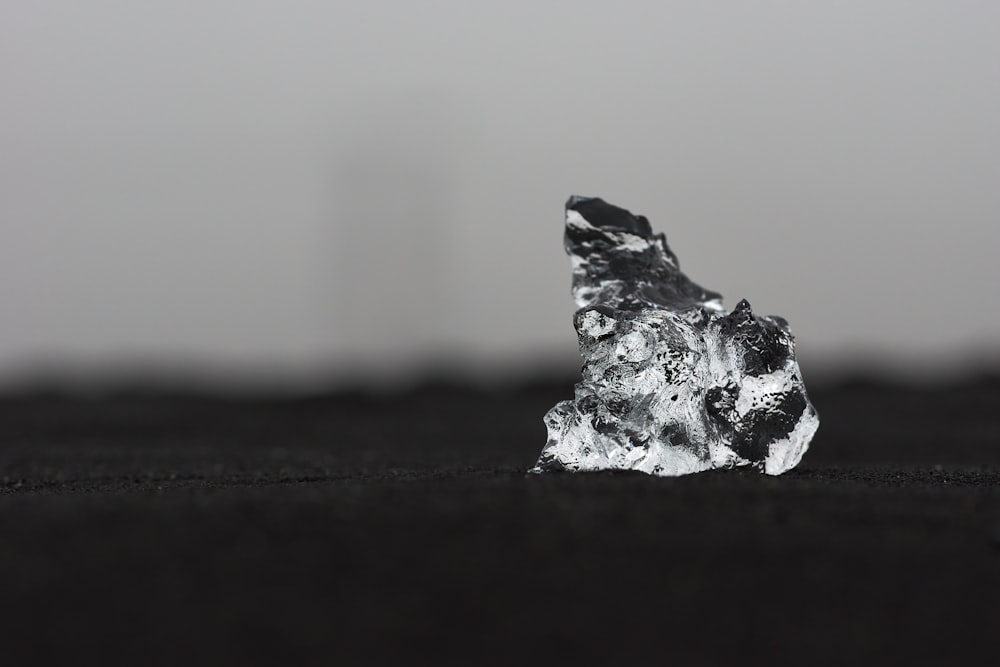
[{"x": 158, "y": 529}]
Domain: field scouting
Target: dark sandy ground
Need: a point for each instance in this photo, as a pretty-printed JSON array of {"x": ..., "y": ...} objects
[{"x": 349, "y": 529}]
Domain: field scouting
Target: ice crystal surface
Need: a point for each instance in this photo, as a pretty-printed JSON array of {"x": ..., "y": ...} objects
[{"x": 673, "y": 383}]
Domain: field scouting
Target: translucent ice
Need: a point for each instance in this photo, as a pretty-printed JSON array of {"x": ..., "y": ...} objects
[{"x": 672, "y": 382}]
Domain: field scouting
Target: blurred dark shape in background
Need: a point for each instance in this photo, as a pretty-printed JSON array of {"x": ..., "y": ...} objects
[{"x": 392, "y": 268}]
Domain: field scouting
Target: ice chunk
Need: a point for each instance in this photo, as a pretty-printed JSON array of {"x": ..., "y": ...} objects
[{"x": 672, "y": 383}]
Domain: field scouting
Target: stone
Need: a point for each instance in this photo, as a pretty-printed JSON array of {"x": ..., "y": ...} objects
[{"x": 673, "y": 383}]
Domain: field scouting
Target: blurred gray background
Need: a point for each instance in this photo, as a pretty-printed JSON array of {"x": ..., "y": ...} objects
[{"x": 305, "y": 191}]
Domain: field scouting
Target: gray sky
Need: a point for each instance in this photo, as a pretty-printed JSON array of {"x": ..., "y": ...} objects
[{"x": 286, "y": 185}]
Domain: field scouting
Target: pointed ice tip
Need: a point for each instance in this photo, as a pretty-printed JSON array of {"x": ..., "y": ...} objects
[
  {"x": 600, "y": 213},
  {"x": 576, "y": 199}
]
